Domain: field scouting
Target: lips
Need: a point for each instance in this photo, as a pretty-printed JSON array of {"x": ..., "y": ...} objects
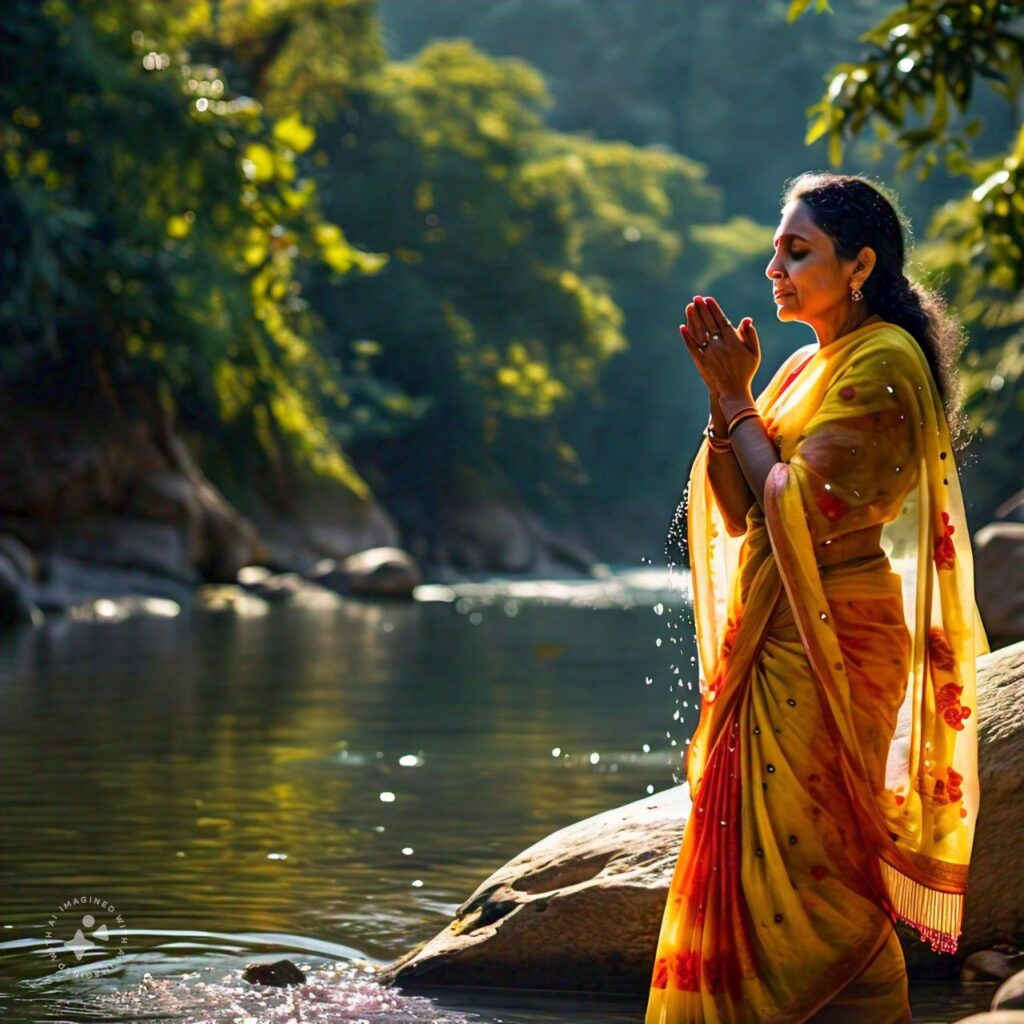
[{"x": 781, "y": 295}]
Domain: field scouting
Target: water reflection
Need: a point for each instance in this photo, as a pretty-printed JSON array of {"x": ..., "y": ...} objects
[{"x": 219, "y": 779}]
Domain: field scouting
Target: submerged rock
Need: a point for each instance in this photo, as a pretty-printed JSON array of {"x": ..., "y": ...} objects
[
  {"x": 582, "y": 908},
  {"x": 279, "y": 974}
]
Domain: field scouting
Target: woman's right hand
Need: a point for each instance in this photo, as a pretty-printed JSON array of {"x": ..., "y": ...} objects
[{"x": 689, "y": 337}]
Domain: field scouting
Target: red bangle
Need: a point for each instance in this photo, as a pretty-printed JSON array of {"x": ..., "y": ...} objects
[{"x": 742, "y": 415}]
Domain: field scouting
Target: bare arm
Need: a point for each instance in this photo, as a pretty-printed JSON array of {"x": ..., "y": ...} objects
[
  {"x": 752, "y": 448},
  {"x": 732, "y": 492}
]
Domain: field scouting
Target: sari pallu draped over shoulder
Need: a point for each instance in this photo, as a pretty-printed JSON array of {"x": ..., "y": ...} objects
[{"x": 877, "y": 655}]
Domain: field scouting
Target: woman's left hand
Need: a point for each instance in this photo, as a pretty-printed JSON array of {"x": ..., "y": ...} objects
[{"x": 729, "y": 356}]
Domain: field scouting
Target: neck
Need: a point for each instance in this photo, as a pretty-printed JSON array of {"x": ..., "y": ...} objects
[{"x": 846, "y": 319}]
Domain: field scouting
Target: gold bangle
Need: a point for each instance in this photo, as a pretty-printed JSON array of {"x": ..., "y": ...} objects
[
  {"x": 716, "y": 442},
  {"x": 742, "y": 415}
]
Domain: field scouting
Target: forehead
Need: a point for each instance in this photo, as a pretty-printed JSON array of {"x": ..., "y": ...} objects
[{"x": 797, "y": 220}]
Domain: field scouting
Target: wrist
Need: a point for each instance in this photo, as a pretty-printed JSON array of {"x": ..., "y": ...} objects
[{"x": 732, "y": 403}]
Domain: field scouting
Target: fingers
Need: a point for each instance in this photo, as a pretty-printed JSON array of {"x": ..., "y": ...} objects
[
  {"x": 706, "y": 318},
  {"x": 715, "y": 320},
  {"x": 694, "y": 323}
]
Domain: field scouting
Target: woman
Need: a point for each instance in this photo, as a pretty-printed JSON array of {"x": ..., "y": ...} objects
[{"x": 833, "y": 771}]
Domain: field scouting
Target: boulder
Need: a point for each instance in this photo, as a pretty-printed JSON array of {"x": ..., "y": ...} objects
[
  {"x": 581, "y": 909},
  {"x": 379, "y": 572},
  {"x": 991, "y": 965},
  {"x": 999, "y": 580},
  {"x": 994, "y": 1017},
  {"x": 1010, "y": 995}
]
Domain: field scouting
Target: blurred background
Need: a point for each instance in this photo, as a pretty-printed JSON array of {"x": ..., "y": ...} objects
[
  {"x": 291, "y": 279},
  {"x": 309, "y": 305}
]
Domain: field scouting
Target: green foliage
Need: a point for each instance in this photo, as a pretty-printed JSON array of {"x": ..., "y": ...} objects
[
  {"x": 156, "y": 220},
  {"x": 917, "y": 86}
]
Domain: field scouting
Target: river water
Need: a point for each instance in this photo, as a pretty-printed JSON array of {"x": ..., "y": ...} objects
[{"x": 185, "y": 792}]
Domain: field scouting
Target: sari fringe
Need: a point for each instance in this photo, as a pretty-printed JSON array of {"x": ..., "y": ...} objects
[{"x": 935, "y": 915}]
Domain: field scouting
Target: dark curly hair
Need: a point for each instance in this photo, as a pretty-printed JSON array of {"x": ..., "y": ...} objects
[{"x": 857, "y": 212}]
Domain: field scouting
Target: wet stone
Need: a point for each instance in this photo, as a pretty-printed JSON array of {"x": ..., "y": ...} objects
[{"x": 279, "y": 974}]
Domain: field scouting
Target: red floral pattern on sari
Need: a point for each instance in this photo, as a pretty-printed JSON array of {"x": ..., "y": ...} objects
[
  {"x": 682, "y": 970},
  {"x": 947, "y": 703},
  {"x": 832, "y": 506},
  {"x": 945, "y": 552},
  {"x": 939, "y": 650}
]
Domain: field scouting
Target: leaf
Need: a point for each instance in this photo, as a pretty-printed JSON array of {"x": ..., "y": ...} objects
[
  {"x": 291, "y": 132},
  {"x": 835, "y": 149},
  {"x": 258, "y": 162},
  {"x": 797, "y": 8}
]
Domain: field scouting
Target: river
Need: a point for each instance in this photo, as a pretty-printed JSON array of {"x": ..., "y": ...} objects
[{"x": 322, "y": 783}]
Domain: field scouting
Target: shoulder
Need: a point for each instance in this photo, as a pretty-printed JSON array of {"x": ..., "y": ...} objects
[{"x": 887, "y": 347}]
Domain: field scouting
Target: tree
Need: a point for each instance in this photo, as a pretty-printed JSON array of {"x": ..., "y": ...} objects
[{"x": 918, "y": 85}]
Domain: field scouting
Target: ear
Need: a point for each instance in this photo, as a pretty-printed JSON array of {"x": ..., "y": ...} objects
[{"x": 863, "y": 266}]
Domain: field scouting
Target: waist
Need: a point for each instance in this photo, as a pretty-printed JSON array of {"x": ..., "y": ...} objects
[{"x": 860, "y": 546}]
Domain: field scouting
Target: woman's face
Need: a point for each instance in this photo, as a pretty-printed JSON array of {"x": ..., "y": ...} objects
[{"x": 809, "y": 282}]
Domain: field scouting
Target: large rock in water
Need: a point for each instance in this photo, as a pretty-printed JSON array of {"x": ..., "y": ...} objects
[{"x": 581, "y": 909}]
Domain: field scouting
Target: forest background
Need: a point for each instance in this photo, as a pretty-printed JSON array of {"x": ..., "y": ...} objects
[{"x": 398, "y": 261}]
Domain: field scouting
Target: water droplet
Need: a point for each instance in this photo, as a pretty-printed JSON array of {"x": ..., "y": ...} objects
[
  {"x": 791, "y": 702},
  {"x": 407, "y": 850},
  {"x": 595, "y": 757},
  {"x": 659, "y": 608},
  {"x": 646, "y": 748},
  {"x": 648, "y": 680},
  {"x": 650, "y": 788},
  {"x": 823, "y": 616},
  {"x": 417, "y": 882},
  {"x": 556, "y": 751},
  {"x": 889, "y": 388},
  {"x": 778, "y": 919},
  {"x": 387, "y": 798},
  {"x": 657, "y": 643},
  {"x": 792, "y": 840},
  {"x": 770, "y": 768}
]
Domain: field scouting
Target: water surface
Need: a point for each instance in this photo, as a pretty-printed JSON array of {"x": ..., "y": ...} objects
[{"x": 322, "y": 783}]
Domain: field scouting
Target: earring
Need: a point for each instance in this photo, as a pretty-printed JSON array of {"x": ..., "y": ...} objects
[{"x": 856, "y": 295}]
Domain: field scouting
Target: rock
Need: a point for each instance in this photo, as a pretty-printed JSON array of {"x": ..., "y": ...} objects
[
  {"x": 279, "y": 974},
  {"x": 26, "y": 564},
  {"x": 999, "y": 580},
  {"x": 127, "y": 542},
  {"x": 1010, "y": 995},
  {"x": 994, "y": 908},
  {"x": 290, "y": 588},
  {"x": 100, "y": 474},
  {"x": 226, "y": 597},
  {"x": 994, "y": 1017},
  {"x": 582, "y": 908},
  {"x": 483, "y": 525},
  {"x": 16, "y": 607},
  {"x": 310, "y": 522},
  {"x": 380, "y": 572},
  {"x": 991, "y": 965},
  {"x": 66, "y": 582}
]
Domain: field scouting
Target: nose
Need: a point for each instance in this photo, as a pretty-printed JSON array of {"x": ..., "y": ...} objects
[{"x": 773, "y": 272}]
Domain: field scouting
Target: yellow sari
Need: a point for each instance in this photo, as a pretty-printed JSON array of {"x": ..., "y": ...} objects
[{"x": 833, "y": 771}]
